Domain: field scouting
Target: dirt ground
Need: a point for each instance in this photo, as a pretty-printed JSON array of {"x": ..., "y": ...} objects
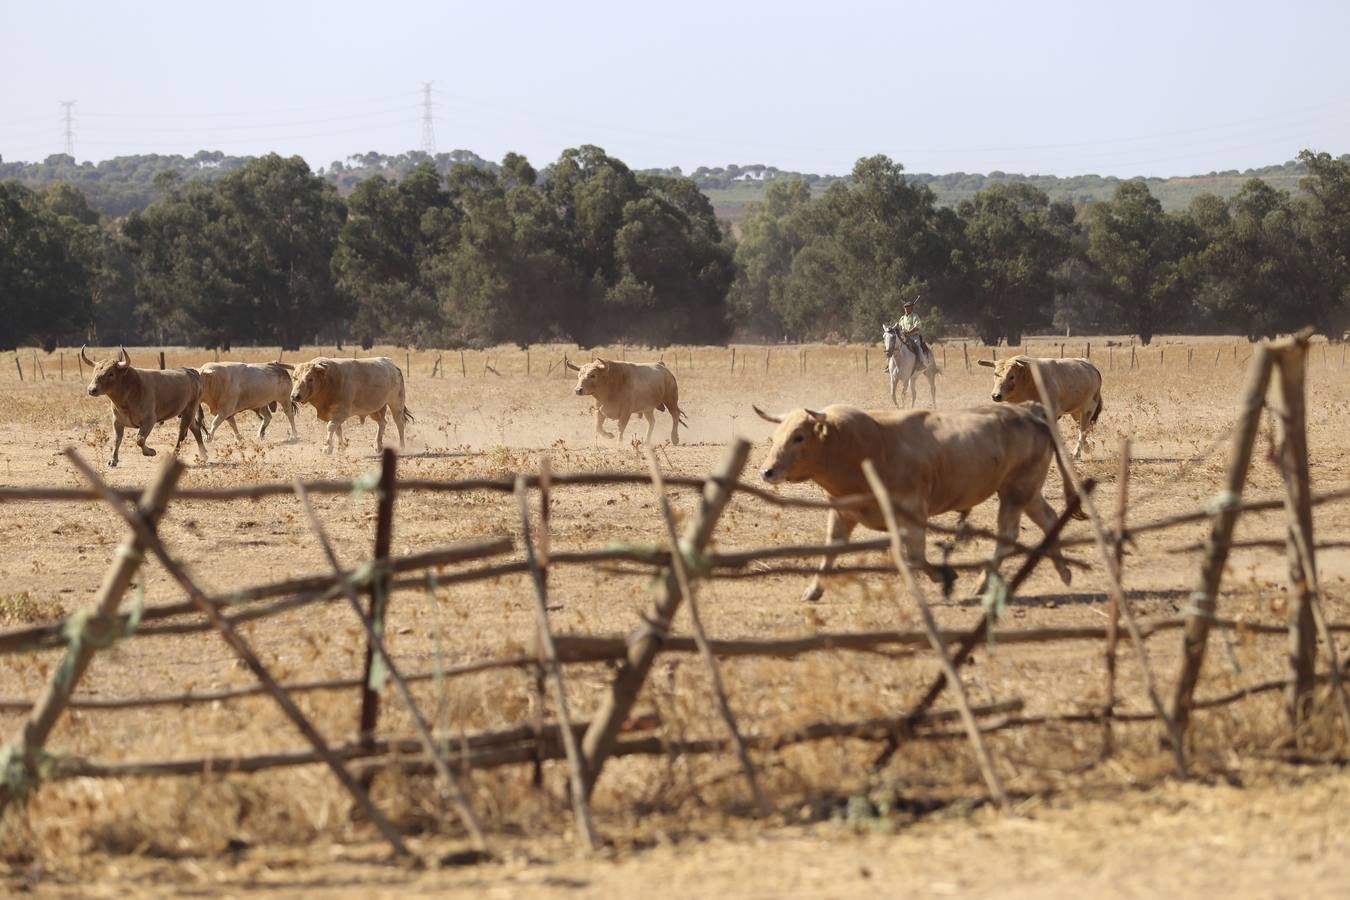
[{"x": 1248, "y": 826}]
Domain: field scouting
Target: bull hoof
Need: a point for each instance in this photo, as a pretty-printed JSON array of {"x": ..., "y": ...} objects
[
  {"x": 148, "y": 451},
  {"x": 604, "y": 434},
  {"x": 112, "y": 463}
]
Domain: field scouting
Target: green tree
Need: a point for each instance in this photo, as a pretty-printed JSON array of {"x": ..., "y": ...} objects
[
  {"x": 1140, "y": 249},
  {"x": 1014, "y": 240},
  {"x": 1324, "y": 208}
]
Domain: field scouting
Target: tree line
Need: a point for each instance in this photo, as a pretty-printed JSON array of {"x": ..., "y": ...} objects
[
  {"x": 470, "y": 253},
  {"x": 1009, "y": 260}
]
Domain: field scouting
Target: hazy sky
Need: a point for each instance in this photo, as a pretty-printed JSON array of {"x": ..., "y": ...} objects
[{"x": 1154, "y": 88}]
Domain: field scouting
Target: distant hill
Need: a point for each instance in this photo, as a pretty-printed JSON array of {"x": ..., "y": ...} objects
[
  {"x": 124, "y": 184},
  {"x": 732, "y": 188}
]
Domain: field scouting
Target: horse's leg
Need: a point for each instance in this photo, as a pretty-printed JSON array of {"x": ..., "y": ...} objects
[{"x": 894, "y": 372}]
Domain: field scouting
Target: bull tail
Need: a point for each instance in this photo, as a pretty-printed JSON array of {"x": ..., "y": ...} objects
[
  {"x": 407, "y": 414},
  {"x": 201, "y": 419},
  {"x": 684, "y": 420}
]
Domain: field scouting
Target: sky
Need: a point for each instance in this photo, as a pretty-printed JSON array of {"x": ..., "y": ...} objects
[{"x": 1055, "y": 88}]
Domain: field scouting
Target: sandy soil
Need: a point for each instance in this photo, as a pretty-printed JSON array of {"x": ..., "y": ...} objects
[{"x": 1119, "y": 829}]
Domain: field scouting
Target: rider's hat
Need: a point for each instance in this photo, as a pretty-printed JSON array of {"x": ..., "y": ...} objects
[{"x": 908, "y": 304}]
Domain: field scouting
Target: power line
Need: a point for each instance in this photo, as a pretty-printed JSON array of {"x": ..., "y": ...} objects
[
  {"x": 428, "y": 124},
  {"x": 70, "y": 128}
]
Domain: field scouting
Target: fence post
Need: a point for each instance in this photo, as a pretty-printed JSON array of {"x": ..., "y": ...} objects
[
  {"x": 379, "y": 590},
  {"x": 1061, "y": 349},
  {"x": 1087, "y": 350},
  {"x": 62, "y": 364},
  {"x": 767, "y": 351},
  {"x": 538, "y": 563},
  {"x": 79, "y": 362},
  {"x": 866, "y": 368},
  {"x": 463, "y": 370},
  {"x": 27, "y": 745},
  {"x": 642, "y": 649},
  {"x": 18, "y": 366},
  {"x": 230, "y": 634},
  {"x": 1132, "y": 358},
  {"x": 407, "y": 363},
  {"x": 1112, "y": 608},
  {"x": 161, "y": 360},
  {"x": 527, "y": 361},
  {"x": 1202, "y": 606},
  {"x": 965, "y": 356},
  {"x": 733, "y": 360}
]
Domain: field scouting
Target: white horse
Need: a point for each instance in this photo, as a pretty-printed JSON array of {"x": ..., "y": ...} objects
[{"x": 903, "y": 365}]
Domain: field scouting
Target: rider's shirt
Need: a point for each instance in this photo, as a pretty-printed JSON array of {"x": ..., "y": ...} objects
[{"x": 909, "y": 323}]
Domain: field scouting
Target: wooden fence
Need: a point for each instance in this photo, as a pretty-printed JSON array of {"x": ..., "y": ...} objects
[{"x": 680, "y": 563}]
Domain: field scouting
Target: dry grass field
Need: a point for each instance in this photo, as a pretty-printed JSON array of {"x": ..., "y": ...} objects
[{"x": 1248, "y": 824}]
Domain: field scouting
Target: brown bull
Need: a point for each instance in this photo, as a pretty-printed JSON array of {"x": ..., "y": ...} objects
[
  {"x": 931, "y": 462},
  {"x": 341, "y": 388},
  {"x": 1075, "y": 387},
  {"x": 230, "y": 388},
  {"x": 142, "y": 398},
  {"x": 622, "y": 390}
]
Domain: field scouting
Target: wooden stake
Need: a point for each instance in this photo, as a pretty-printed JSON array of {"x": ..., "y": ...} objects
[
  {"x": 767, "y": 351},
  {"x": 1112, "y": 609},
  {"x": 883, "y": 496},
  {"x": 231, "y": 636},
  {"x": 373, "y": 636},
  {"x": 463, "y": 370},
  {"x": 1307, "y": 616},
  {"x": 733, "y": 360},
  {"x": 1113, "y": 583},
  {"x": 701, "y": 638},
  {"x": 18, "y": 366},
  {"x": 1061, "y": 350},
  {"x": 161, "y": 360},
  {"x": 47, "y": 710},
  {"x": 539, "y": 572},
  {"x": 62, "y": 363},
  {"x": 642, "y": 649},
  {"x": 1110, "y": 358},
  {"x": 866, "y": 367},
  {"x": 965, "y": 356},
  {"x": 1132, "y": 358},
  {"x": 1216, "y": 357},
  {"x": 407, "y": 363},
  {"x": 1204, "y": 599},
  {"x": 1087, "y": 350},
  {"x": 379, "y": 590}
]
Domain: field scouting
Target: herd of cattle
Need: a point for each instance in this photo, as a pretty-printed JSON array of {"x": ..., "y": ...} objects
[{"x": 932, "y": 461}]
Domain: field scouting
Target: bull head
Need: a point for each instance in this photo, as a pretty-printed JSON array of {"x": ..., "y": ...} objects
[
  {"x": 306, "y": 378},
  {"x": 590, "y": 378},
  {"x": 798, "y": 444}
]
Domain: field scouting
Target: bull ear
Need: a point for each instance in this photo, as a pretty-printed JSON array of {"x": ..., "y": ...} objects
[
  {"x": 986, "y": 362},
  {"x": 765, "y": 416},
  {"x": 85, "y": 356},
  {"x": 122, "y": 355}
]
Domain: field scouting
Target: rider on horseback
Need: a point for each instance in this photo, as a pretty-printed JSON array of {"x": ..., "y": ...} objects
[{"x": 909, "y": 326}]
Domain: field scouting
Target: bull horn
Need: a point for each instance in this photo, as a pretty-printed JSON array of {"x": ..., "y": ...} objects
[
  {"x": 571, "y": 365},
  {"x": 765, "y": 416},
  {"x": 818, "y": 416},
  {"x": 122, "y": 355},
  {"x": 986, "y": 362},
  {"x": 85, "y": 356}
]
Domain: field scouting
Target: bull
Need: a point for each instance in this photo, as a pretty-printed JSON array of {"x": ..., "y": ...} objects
[
  {"x": 232, "y": 388},
  {"x": 622, "y": 390},
  {"x": 1074, "y": 385},
  {"x": 341, "y": 388},
  {"x": 930, "y": 462},
  {"x": 142, "y": 398}
]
